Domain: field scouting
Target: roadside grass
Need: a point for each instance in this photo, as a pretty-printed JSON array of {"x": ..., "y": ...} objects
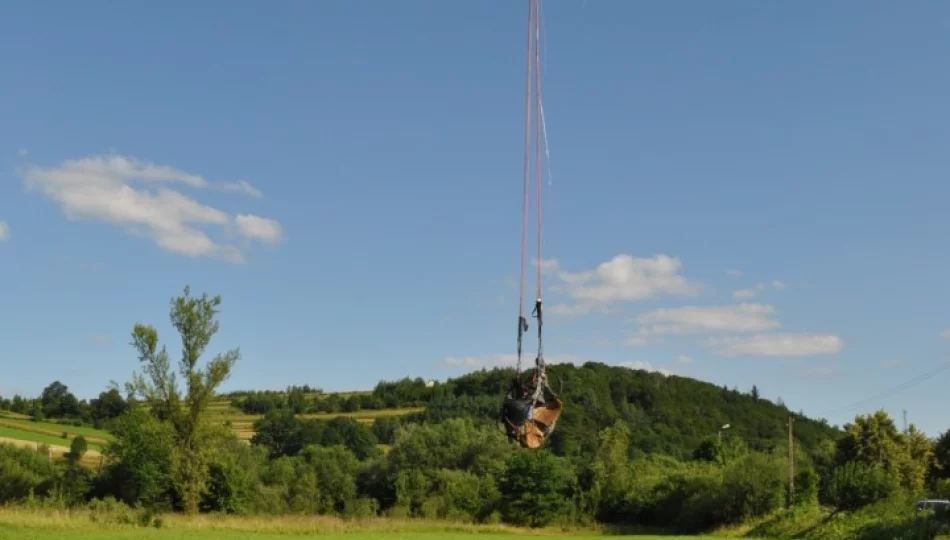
[{"x": 125, "y": 524}]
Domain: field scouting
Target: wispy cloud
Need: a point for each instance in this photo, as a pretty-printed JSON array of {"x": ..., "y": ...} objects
[
  {"x": 136, "y": 196},
  {"x": 645, "y": 366},
  {"x": 758, "y": 289},
  {"x": 624, "y": 278},
  {"x": 705, "y": 319},
  {"x": 507, "y": 360},
  {"x": 4, "y": 231},
  {"x": 510, "y": 359},
  {"x": 778, "y": 345}
]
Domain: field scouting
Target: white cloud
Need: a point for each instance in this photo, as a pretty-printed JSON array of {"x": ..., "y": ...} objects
[
  {"x": 645, "y": 366},
  {"x": 97, "y": 340},
  {"x": 683, "y": 359},
  {"x": 734, "y": 272},
  {"x": 547, "y": 265},
  {"x": 752, "y": 292},
  {"x": 258, "y": 228},
  {"x": 243, "y": 186},
  {"x": 778, "y": 345},
  {"x": 106, "y": 188},
  {"x": 508, "y": 360},
  {"x": 635, "y": 341},
  {"x": 704, "y": 319},
  {"x": 4, "y": 231},
  {"x": 527, "y": 362},
  {"x": 744, "y": 294},
  {"x": 623, "y": 278},
  {"x": 945, "y": 333}
]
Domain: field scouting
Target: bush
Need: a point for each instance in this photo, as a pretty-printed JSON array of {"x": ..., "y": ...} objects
[
  {"x": 855, "y": 485},
  {"x": 536, "y": 488}
]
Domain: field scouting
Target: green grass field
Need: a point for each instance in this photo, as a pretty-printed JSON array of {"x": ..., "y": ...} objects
[
  {"x": 17, "y": 533},
  {"x": 51, "y": 525},
  {"x": 30, "y": 436},
  {"x": 52, "y": 433}
]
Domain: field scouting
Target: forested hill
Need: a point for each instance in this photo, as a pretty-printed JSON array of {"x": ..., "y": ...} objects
[{"x": 667, "y": 414}]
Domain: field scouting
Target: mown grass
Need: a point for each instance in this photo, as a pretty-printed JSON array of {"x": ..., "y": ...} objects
[
  {"x": 30, "y": 524},
  {"x": 94, "y": 437},
  {"x": 38, "y": 438}
]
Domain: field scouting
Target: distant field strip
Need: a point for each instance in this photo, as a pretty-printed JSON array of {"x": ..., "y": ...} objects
[
  {"x": 18, "y": 426},
  {"x": 243, "y": 424},
  {"x": 94, "y": 437}
]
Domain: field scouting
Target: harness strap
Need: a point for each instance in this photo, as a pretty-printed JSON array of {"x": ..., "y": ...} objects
[{"x": 522, "y": 328}]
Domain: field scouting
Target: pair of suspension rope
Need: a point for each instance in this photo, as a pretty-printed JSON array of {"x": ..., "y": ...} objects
[{"x": 532, "y": 99}]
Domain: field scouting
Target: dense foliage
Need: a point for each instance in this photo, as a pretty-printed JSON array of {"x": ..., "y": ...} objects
[{"x": 633, "y": 448}]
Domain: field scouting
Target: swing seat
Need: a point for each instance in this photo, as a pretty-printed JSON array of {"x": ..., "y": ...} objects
[{"x": 527, "y": 420}]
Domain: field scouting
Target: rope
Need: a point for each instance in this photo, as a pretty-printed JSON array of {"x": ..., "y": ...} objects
[
  {"x": 533, "y": 67},
  {"x": 522, "y": 322},
  {"x": 537, "y": 137},
  {"x": 539, "y": 361}
]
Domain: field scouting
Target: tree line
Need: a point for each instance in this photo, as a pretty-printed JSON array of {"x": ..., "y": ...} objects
[
  {"x": 633, "y": 448},
  {"x": 406, "y": 393}
]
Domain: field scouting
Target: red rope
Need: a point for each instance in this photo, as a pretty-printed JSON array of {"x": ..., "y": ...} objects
[
  {"x": 537, "y": 129},
  {"x": 527, "y": 157}
]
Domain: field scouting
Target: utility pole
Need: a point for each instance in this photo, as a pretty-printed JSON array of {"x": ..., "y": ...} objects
[
  {"x": 791, "y": 463},
  {"x": 905, "y": 421}
]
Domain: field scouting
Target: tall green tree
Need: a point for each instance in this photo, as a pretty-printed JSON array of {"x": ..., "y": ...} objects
[
  {"x": 194, "y": 319},
  {"x": 536, "y": 488}
]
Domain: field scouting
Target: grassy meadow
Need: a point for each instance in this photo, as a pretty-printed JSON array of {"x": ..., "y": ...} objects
[{"x": 35, "y": 524}]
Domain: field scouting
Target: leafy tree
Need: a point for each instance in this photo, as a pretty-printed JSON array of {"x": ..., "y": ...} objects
[
  {"x": 753, "y": 486},
  {"x": 611, "y": 471},
  {"x": 58, "y": 402},
  {"x": 351, "y": 434},
  {"x": 385, "y": 427},
  {"x": 296, "y": 401},
  {"x": 234, "y": 478},
  {"x": 139, "y": 459},
  {"x": 279, "y": 431},
  {"x": 77, "y": 449},
  {"x": 855, "y": 484},
  {"x": 875, "y": 441},
  {"x": 920, "y": 459},
  {"x": 940, "y": 464},
  {"x": 23, "y": 471},
  {"x": 536, "y": 488},
  {"x": 110, "y": 404},
  {"x": 194, "y": 318}
]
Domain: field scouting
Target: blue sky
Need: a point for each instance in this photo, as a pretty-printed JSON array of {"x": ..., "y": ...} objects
[{"x": 745, "y": 193}]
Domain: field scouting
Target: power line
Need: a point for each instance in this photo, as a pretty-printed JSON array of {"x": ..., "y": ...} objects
[{"x": 897, "y": 389}]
